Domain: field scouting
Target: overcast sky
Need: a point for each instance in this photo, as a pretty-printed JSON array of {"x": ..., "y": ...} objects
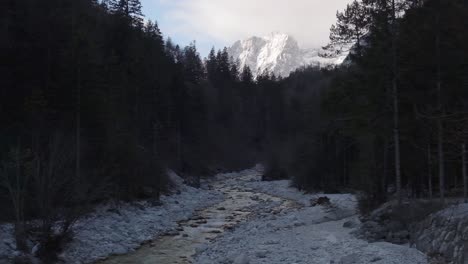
[{"x": 221, "y": 22}]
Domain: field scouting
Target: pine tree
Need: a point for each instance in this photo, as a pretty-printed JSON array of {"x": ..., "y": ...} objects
[
  {"x": 211, "y": 65},
  {"x": 224, "y": 64},
  {"x": 152, "y": 31},
  {"x": 129, "y": 9},
  {"x": 246, "y": 76},
  {"x": 352, "y": 24},
  {"x": 193, "y": 66},
  {"x": 234, "y": 70}
]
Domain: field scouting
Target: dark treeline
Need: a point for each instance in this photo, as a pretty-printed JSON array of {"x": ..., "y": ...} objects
[
  {"x": 96, "y": 105},
  {"x": 394, "y": 118}
]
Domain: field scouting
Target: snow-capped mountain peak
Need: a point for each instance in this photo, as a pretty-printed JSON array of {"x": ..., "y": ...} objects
[{"x": 278, "y": 53}]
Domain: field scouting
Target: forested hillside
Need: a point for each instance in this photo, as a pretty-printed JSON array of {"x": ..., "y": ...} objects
[
  {"x": 395, "y": 115},
  {"x": 91, "y": 94},
  {"x": 95, "y": 104}
]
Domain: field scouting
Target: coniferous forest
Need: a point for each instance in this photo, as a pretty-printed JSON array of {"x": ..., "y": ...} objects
[{"x": 96, "y": 104}]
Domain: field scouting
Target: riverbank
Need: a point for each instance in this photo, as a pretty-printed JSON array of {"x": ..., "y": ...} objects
[
  {"x": 121, "y": 228},
  {"x": 234, "y": 218},
  {"x": 306, "y": 234}
]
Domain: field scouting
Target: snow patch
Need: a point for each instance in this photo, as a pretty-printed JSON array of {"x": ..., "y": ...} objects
[
  {"x": 280, "y": 54},
  {"x": 305, "y": 234}
]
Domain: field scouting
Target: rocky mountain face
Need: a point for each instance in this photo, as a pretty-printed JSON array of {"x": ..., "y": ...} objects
[{"x": 280, "y": 54}]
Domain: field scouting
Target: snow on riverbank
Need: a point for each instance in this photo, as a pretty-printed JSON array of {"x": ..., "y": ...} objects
[
  {"x": 299, "y": 235},
  {"x": 7, "y": 243},
  {"x": 287, "y": 230},
  {"x": 118, "y": 230},
  {"x": 251, "y": 179}
]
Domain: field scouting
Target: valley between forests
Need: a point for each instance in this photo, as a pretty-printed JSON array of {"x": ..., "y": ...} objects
[{"x": 119, "y": 145}]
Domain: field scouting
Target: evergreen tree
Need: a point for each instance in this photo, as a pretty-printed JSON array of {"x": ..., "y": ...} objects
[
  {"x": 129, "y": 9},
  {"x": 193, "y": 66},
  {"x": 246, "y": 76},
  {"x": 351, "y": 26},
  {"x": 211, "y": 65}
]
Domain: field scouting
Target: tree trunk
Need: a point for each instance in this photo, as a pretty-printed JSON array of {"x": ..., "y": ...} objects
[
  {"x": 465, "y": 174},
  {"x": 17, "y": 197},
  {"x": 429, "y": 170},
  {"x": 179, "y": 147},
  {"x": 78, "y": 124},
  {"x": 78, "y": 100},
  {"x": 440, "y": 128},
  {"x": 440, "y": 151},
  {"x": 385, "y": 167},
  {"x": 396, "y": 110},
  {"x": 345, "y": 163}
]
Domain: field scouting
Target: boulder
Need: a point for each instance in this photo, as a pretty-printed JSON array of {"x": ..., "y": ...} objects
[
  {"x": 261, "y": 253},
  {"x": 350, "y": 224},
  {"x": 323, "y": 201}
]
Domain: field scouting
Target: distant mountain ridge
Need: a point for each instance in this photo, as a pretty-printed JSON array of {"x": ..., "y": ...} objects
[{"x": 280, "y": 54}]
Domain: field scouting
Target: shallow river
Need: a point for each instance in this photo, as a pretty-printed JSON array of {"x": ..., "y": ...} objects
[{"x": 181, "y": 245}]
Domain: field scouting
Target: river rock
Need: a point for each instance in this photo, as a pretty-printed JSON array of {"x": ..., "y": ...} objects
[
  {"x": 298, "y": 223},
  {"x": 272, "y": 242},
  {"x": 241, "y": 259},
  {"x": 255, "y": 198},
  {"x": 172, "y": 233},
  {"x": 350, "y": 224},
  {"x": 261, "y": 253},
  {"x": 324, "y": 201}
]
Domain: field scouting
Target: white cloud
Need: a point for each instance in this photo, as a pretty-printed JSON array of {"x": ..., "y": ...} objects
[{"x": 225, "y": 21}]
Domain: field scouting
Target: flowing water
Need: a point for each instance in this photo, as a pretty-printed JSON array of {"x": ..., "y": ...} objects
[{"x": 205, "y": 225}]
